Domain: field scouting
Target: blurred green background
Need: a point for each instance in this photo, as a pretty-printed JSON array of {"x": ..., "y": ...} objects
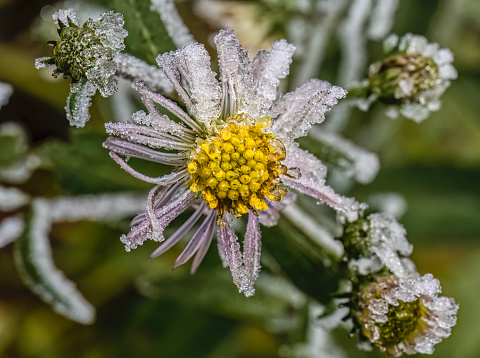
[{"x": 145, "y": 309}]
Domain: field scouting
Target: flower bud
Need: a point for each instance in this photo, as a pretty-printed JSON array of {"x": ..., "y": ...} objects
[
  {"x": 405, "y": 315},
  {"x": 87, "y": 52}
]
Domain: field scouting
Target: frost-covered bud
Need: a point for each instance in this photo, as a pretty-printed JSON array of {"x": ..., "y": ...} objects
[
  {"x": 378, "y": 242},
  {"x": 405, "y": 315},
  {"x": 87, "y": 52},
  {"x": 414, "y": 75}
]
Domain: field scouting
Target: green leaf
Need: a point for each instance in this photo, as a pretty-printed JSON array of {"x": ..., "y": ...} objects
[
  {"x": 147, "y": 35},
  {"x": 33, "y": 259}
]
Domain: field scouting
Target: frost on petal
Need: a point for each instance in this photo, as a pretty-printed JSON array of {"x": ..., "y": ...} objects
[
  {"x": 78, "y": 103},
  {"x": 348, "y": 208},
  {"x": 297, "y": 111},
  {"x": 10, "y": 229},
  {"x": 251, "y": 253},
  {"x": 134, "y": 69},
  {"x": 269, "y": 67},
  {"x": 236, "y": 73},
  {"x": 149, "y": 136},
  {"x": 65, "y": 17},
  {"x": 350, "y": 159},
  {"x": 33, "y": 258},
  {"x": 163, "y": 217},
  {"x": 231, "y": 252},
  {"x": 201, "y": 92},
  {"x": 310, "y": 166},
  {"x": 173, "y": 22},
  {"x": 5, "y": 92}
]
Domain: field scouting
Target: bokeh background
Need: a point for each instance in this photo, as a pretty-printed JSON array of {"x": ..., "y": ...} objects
[{"x": 145, "y": 309}]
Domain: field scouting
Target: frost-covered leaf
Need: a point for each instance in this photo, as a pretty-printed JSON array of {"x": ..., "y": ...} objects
[
  {"x": 147, "y": 35},
  {"x": 33, "y": 258},
  {"x": 79, "y": 101}
]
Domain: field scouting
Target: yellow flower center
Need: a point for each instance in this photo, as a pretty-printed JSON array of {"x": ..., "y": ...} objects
[{"x": 238, "y": 168}]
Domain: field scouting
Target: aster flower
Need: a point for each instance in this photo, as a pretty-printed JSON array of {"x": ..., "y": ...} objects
[
  {"x": 232, "y": 154},
  {"x": 411, "y": 78},
  {"x": 405, "y": 315},
  {"x": 86, "y": 54}
]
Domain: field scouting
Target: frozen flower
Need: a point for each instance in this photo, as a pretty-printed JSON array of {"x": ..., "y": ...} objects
[
  {"x": 414, "y": 75},
  {"x": 232, "y": 154},
  {"x": 86, "y": 54},
  {"x": 405, "y": 315}
]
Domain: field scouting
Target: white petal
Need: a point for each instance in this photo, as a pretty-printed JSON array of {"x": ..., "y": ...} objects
[
  {"x": 268, "y": 68},
  {"x": 348, "y": 207},
  {"x": 201, "y": 94},
  {"x": 236, "y": 73},
  {"x": 251, "y": 252},
  {"x": 297, "y": 111},
  {"x": 233, "y": 256}
]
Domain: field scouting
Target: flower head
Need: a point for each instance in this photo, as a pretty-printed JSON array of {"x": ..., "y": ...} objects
[
  {"x": 414, "y": 75},
  {"x": 405, "y": 315},
  {"x": 233, "y": 153},
  {"x": 87, "y": 52}
]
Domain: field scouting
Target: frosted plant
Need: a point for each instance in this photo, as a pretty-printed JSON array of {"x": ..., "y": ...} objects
[
  {"x": 5, "y": 92},
  {"x": 376, "y": 242},
  {"x": 411, "y": 78},
  {"x": 405, "y": 315},
  {"x": 86, "y": 55},
  {"x": 176, "y": 28},
  {"x": 232, "y": 151}
]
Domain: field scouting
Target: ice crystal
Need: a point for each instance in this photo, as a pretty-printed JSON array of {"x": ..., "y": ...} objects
[
  {"x": 406, "y": 315},
  {"x": 231, "y": 126}
]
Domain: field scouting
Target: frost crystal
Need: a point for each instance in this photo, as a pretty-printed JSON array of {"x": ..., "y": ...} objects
[
  {"x": 239, "y": 128},
  {"x": 405, "y": 315},
  {"x": 382, "y": 19},
  {"x": 12, "y": 198}
]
